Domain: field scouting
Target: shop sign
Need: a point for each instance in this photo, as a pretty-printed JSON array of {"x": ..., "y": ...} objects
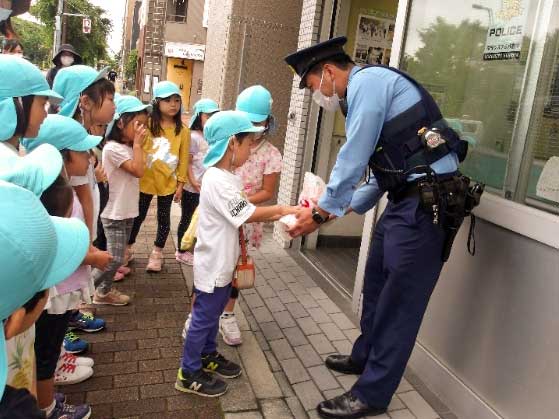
[
  {"x": 186, "y": 51},
  {"x": 505, "y": 34}
]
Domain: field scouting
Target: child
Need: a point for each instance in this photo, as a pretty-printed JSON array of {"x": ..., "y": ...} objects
[
  {"x": 260, "y": 175},
  {"x": 123, "y": 160},
  {"x": 166, "y": 166},
  {"x": 23, "y": 96},
  {"x": 223, "y": 210},
  {"x": 74, "y": 143},
  {"x": 58, "y": 247},
  {"x": 89, "y": 99},
  {"x": 201, "y": 112}
]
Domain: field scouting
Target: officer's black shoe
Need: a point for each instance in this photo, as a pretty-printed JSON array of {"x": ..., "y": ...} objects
[
  {"x": 343, "y": 364},
  {"x": 347, "y": 406}
]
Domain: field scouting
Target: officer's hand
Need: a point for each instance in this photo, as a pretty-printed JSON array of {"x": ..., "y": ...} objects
[{"x": 305, "y": 224}]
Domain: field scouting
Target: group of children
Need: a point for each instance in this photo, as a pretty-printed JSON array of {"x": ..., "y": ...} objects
[{"x": 92, "y": 171}]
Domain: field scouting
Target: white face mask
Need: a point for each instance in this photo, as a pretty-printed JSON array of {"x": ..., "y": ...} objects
[
  {"x": 4, "y": 14},
  {"x": 329, "y": 103},
  {"x": 66, "y": 61}
]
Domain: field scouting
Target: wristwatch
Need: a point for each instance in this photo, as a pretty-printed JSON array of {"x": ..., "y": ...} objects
[{"x": 317, "y": 218}]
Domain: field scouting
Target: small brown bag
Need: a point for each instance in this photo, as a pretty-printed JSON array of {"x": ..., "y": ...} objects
[{"x": 245, "y": 272}]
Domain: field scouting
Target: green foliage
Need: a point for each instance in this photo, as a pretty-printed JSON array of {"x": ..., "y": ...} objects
[
  {"x": 35, "y": 40},
  {"x": 92, "y": 47},
  {"x": 131, "y": 65}
]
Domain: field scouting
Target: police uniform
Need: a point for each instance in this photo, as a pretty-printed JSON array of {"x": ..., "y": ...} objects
[{"x": 384, "y": 109}]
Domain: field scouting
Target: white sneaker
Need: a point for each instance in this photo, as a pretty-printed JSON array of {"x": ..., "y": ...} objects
[
  {"x": 68, "y": 358},
  {"x": 71, "y": 374},
  {"x": 229, "y": 330},
  {"x": 186, "y": 326}
]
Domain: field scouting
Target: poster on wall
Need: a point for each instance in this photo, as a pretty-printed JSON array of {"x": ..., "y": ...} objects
[
  {"x": 506, "y": 30},
  {"x": 373, "y": 41}
]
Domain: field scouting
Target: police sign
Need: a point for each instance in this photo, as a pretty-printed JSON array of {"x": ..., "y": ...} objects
[
  {"x": 86, "y": 25},
  {"x": 504, "y": 36}
]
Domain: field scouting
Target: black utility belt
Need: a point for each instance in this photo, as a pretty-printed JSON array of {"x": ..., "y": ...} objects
[{"x": 444, "y": 183}]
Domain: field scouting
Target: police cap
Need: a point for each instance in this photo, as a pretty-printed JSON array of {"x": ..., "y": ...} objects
[{"x": 304, "y": 60}]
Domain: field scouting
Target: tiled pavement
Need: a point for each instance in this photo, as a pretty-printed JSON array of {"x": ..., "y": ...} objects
[{"x": 289, "y": 326}]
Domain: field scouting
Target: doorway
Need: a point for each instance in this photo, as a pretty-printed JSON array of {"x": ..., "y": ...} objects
[
  {"x": 179, "y": 71},
  {"x": 369, "y": 26}
]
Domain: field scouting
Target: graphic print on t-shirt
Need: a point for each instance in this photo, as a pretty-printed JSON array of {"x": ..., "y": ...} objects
[
  {"x": 162, "y": 151},
  {"x": 237, "y": 204}
]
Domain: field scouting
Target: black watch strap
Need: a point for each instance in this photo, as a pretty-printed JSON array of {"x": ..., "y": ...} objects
[{"x": 319, "y": 219}]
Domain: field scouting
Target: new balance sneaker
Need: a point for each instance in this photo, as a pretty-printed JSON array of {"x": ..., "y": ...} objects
[
  {"x": 220, "y": 365},
  {"x": 186, "y": 326},
  {"x": 229, "y": 329},
  {"x": 68, "y": 411},
  {"x": 68, "y": 358},
  {"x": 74, "y": 344},
  {"x": 86, "y": 322},
  {"x": 113, "y": 298},
  {"x": 200, "y": 383},
  {"x": 186, "y": 258},
  {"x": 71, "y": 374}
]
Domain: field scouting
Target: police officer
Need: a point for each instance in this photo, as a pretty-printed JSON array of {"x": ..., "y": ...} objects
[{"x": 384, "y": 111}]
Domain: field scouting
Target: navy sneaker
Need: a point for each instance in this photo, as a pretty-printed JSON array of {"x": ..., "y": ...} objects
[
  {"x": 200, "y": 383},
  {"x": 68, "y": 411},
  {"x": 73, "y": 343},
  {"x": 86, "y": 322},
  {"x": 220, "y": 365}
]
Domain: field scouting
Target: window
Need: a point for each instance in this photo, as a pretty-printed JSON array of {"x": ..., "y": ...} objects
[
  {"x": 176, "y": 10},
  {"x": 472, "y": 56}
]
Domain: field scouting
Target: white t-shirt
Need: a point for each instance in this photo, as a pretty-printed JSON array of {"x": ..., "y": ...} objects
[
  {"x": 124, "y": 188},
  {"x": 223, "y": 209},
  {"x": 89, "y": 179},
  {"x": 198, "y": 150}
]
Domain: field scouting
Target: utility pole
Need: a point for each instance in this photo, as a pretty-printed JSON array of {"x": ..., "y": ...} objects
[{"x": 58, "y": 26}]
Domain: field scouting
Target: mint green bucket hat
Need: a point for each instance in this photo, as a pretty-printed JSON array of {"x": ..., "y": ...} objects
[
  {"x": 71, "y": 81},
  {"x": 165, "y": 89},
  {"x": 126, "y": 104},
  {"x": 257, "y": 102},
  {"x": 203, "y": 106},
  {"x": 38, "y": 252},
  {"x": 219, "y": 129},
  {"x": 64, "y": 133},
  {"x": 18, "y": 78}
]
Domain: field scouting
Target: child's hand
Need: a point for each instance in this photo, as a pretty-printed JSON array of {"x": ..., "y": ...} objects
[
  {"x": 287, "y": 209},
  {"x": 101, "y": 259},
  {"x": 140, "y": 131},
  {"x": 100, "y": 175},
  {"x": 178, "y": 194}
]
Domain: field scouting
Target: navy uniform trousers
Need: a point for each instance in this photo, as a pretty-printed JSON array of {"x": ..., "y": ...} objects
[{"x": 402, "y": 270}]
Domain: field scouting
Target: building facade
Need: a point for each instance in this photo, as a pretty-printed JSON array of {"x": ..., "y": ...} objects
[
  {"x": 172, "y": 47},
  {"x": 487, "y": 344}
]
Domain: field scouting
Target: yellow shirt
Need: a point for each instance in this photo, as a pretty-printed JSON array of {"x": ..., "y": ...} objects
[{"x": 166, "y": 162}]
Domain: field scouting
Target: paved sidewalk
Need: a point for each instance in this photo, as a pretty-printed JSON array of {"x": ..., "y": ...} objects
[
  {"x": 289, "y": 326},
  {"x": 137, "y": 356}
]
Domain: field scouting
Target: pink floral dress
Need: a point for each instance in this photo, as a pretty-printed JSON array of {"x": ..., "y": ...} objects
[{"x": 265, "y": 159}]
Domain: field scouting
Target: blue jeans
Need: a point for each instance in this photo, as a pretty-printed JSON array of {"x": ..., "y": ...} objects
[{"x": 204, "y": 325}]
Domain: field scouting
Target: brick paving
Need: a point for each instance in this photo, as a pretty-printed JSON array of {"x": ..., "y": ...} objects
[{"x": 137, "y": 356}]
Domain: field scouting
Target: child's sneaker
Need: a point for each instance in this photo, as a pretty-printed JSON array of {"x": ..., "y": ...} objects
[
  {"x": 186, "y": 258},
  {"x": 155, "y": 261},
  {"x": 68, "y": 411},
  {"x": 121, "y": 273},
  {"x": 229, "y": 329},
  {"x": 186, "y": 326},
  {"x": 74, "y": 344},
  {"x": 220, "y": 365},
  {"x": 71, "y": 374},
  {"x": 200, "y": 383},
  {"x": 113, "y": 298},
  {"x": 86, "y": 322},
  {"x": 68, "y": 358}
]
